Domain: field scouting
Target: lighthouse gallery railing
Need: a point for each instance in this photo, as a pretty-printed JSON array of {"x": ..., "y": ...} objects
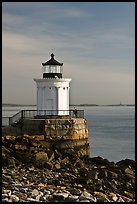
[{"x": 35, "y": 114}]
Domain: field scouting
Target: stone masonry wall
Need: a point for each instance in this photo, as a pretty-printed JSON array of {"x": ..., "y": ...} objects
[{"x": 60, "y": 133}]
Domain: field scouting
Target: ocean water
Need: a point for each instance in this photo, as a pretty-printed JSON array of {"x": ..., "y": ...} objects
[{"x": 111, "y": 129}]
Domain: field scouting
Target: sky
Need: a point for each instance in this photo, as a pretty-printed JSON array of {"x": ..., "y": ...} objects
[{"x": 95, "y": 41}]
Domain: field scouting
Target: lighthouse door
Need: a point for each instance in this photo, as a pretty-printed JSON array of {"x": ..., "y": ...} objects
[{"x": 49, "y": 107}]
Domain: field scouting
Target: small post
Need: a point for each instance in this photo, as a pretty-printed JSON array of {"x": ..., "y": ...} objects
[
  {"x": 9, "y": 121},
  {"x": 22, "y": 114},
  {"x": 75, "y": 112}
]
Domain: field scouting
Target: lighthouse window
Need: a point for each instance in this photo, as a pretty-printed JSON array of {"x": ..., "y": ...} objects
[
  {"x": 54, "y": 69},
  {"x": 63, "y": 88},
  {"x": 46, "y": 69},
  {"x": 58, "y": 69},
  {"x": 49, "y": 87}
]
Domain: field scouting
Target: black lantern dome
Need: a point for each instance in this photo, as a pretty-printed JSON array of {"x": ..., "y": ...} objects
[{"x": 52, "y": 68}]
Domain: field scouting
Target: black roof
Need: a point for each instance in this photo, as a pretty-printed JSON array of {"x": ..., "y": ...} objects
[{"x": 52, "y": 61}]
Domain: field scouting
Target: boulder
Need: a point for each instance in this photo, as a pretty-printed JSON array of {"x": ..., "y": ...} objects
[{"x": 42, "y": 156}]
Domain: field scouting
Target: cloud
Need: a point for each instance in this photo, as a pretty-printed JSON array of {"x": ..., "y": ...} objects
[
  {"x": 118, "y": 38},
  {"x": 17, "y": 42},
  {"x": 9, "y": 20},
  {"x": 78, "y": 13}
]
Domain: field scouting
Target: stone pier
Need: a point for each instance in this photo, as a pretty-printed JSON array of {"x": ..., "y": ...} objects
[{"x": 61, "y": 133}]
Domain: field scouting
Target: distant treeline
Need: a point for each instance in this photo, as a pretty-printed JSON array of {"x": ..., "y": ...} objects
[
  {"x": 103, "y": 105},
  {"x": 5, "y": 104},
  {"x": 85, "y": 105}
]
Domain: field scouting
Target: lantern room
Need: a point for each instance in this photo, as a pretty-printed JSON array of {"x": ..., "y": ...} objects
[{"x": 52, "y": 68}]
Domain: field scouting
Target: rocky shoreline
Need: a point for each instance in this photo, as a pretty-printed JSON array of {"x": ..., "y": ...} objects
[{"x": 61, "y": 176}]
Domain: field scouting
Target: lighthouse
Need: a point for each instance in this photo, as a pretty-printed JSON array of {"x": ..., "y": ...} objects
[
  {"x": 52, "y": 89},
  {"x": 52, "y": 125}
]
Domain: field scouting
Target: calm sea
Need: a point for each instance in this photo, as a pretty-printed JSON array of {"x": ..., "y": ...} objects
[{"x": 111, "y": 129}]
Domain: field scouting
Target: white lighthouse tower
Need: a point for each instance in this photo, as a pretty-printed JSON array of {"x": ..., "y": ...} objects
[{"x": 52, "y": 89}]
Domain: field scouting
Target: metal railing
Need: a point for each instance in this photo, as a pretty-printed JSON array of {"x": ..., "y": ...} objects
[
  {"x": 31, "y": 114},
  {"x": 15, "y": 118}
]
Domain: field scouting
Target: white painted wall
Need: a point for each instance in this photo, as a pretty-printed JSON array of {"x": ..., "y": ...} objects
[
  {"x": 53, "y": 94},
  {"x": 63, "y": 103}
]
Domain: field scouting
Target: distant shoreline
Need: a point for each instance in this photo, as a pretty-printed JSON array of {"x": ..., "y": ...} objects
[
  {"x": 106, "y": 105},
  {"x": 5, "y": 104}
]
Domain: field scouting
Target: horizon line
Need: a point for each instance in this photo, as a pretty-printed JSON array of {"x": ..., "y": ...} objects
[{"x": 83, "y": 104}]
